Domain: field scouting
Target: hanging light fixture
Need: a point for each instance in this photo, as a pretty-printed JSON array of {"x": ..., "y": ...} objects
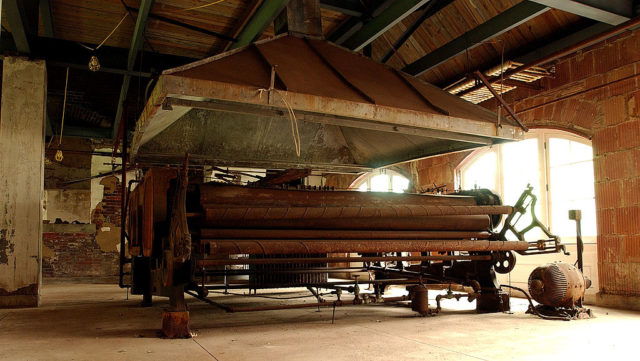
[
  {"x": 94, "y": 63},
  {"x": 58, "y": 157}
]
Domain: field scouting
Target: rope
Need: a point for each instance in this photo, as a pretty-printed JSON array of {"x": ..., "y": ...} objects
[
  {"x": 201, "y": 6},
  {"x": 64, "y": 106},
  {"x": 108, "y": 36},
  {"x": 295, "y": 133}
]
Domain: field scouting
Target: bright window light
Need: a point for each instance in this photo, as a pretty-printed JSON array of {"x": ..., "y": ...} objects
[{"x": 558, "y": 165}]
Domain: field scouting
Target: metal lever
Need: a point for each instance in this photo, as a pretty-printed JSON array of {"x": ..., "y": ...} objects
[{"x": 576, "y": 215}]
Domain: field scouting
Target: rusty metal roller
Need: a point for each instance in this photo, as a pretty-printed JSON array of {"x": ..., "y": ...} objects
[
  {"x": 558, "y": 285},
  {"x": 212, "y": 194},
  {"x": 433, "y": 223},
  {"x": 387, "y": 211},
  {"x": 273, "y": 246}
]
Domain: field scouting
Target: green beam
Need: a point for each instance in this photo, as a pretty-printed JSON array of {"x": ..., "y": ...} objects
[
  {"x": 495, "y": 26},
  {"x": 11, "y": 10},
  {"x": 259, "y": 21},
  {"x": 136, "y": 44},
  {"x": 563, "y": 43},
  {"x": 605, "y": 11},
  {"x": 347, "y": 7},
  {"x": 377, "y": 26},
  {"x": 47, "y": 19},
  {"x": 86, "y": 132}
]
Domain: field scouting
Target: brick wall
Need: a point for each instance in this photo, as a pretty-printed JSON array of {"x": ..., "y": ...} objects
[
  {"x": 596, "y": 93},
  {"x": 71, "y": 251},
  {"x": 86, "y": 250},
  {"x": 107, "y": 213},
  {"x": 439, "y": 171}
]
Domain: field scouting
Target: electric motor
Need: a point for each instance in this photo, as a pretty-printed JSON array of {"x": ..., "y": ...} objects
[{"x": 558, "y": 285}]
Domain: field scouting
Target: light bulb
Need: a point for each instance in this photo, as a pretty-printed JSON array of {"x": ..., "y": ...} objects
[{"x": 94, "y": 63}]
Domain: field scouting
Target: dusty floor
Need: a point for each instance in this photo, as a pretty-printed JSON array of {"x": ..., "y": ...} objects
[{"x": 96, "y": 322}]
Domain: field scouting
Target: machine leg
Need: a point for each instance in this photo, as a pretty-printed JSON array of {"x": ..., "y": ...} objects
[
  {"x": 147, "y": 300},
  {"x": 175, "y": 319},
  {"x": 492, "y": 301},
  {"x": 491, "y": 297}
]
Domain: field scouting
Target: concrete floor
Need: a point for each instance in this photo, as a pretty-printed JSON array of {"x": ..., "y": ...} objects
[{"x": 95, "y": 322}]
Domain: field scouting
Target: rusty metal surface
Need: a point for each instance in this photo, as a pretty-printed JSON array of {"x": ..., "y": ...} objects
[
  {"x": 314, "y": 77},
  {"x": 276, "y": 275},
  {"x": 226, "y": 69},
  {"x": 326, "y": 85},
  {"x": 244, "y": 207},
  {"x": 274, "y": 246},
  {"x": 419, "y": 296},
  {"x": 236, "y": 137},
  {"x": 378, "y": 82},
  {"x": 216, "y": 194},
  {"x": 221, "y": 262},
  {"x": 240, "y": 233},
  {"x": 435, "y": 223},
  {"x": 557, "y": 285},
  {"x": 356, "y": 212}
]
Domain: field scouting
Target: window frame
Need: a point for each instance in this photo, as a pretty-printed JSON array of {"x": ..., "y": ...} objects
[
  {"x": 366, "y": 178},
  {"x": 543, "y": 136}
]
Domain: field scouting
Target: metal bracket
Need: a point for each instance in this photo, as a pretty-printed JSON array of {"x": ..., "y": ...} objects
[
  {"x": 478, "y": 75},
  {"x": 550, "y": 245}
]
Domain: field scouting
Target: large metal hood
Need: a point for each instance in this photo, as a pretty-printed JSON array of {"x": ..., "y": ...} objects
[{"x": 353, "y": 114}]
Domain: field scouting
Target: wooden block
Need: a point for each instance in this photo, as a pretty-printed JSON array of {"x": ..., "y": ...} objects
[{"x": 175, "y": 324}]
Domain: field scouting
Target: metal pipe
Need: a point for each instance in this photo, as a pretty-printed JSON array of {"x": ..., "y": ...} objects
[
  {"x": 123, "y": 195},
  {"x": 240, "y": 233},
  {"x": 275, "y": 246},
  {"x": 204, "y": 299},
  {"x": 473, "y": 223},
  {"x": 533, "y": 309},
  {"x": 222, "y": 262},
  {"x": 334, "y": 284},
  {"x": 246, "y": 213},
  {"x": 215, "y": 194},
  {"x": 307, "y": 305},
  {"x": 286, "y": 271}
]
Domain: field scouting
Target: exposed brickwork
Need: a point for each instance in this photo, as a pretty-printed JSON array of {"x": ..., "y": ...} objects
[
  {"x": 76, "y": 255},
  {"x": 107, "y": 212},
  {"x": 71, "y": 253},
  {"x": 439, "y": 171},
  {"x": 596, "y": 93}
]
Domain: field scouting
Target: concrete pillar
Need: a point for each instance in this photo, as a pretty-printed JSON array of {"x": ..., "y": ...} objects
[{"x": 22, "y": 125}]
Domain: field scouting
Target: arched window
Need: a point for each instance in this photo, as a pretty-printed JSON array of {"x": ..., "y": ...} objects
[
  {"x": 559, "y": 165},
  {"x": 381, "y": 180}
]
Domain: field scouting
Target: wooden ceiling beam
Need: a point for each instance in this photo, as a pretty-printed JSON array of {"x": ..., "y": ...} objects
[
  {"x": 136, "y": 45},
  {"x": 488, "y": 30},
  {"x": 183, "y": 25},
  {"x": 47, "y": 19},
  {"x": 378, "y": 25}
]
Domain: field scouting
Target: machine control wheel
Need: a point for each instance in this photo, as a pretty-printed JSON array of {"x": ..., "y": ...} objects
[{"x": 504, "y": 261}]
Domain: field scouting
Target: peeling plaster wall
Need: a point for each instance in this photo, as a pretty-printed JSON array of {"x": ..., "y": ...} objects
[
  {"x": 90, "y": 250},
  {"x": 21, "y": 180},
  {"x": 68, "y": 205}
]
